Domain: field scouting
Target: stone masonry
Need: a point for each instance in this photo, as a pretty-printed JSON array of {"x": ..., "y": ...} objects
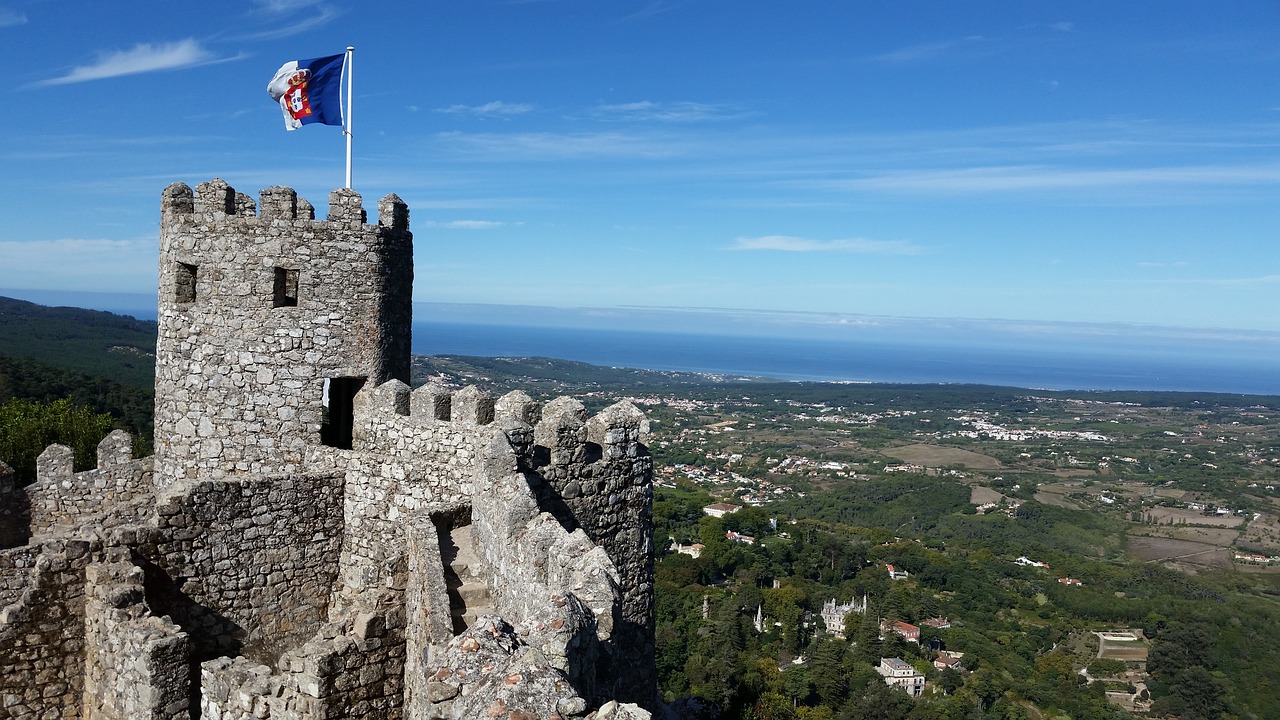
[{"x": 312, "y": 538}]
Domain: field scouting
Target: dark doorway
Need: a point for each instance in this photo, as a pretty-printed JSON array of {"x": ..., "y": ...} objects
[{"x": 339, "y": 411}]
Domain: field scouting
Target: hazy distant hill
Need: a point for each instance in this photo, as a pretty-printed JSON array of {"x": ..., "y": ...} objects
[{"x": 97, "y": 343}]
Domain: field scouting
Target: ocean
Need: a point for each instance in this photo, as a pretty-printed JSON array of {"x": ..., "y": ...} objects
[{"x": 1043, "y": 365}]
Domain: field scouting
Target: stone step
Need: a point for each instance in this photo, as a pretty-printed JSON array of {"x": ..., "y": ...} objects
[
  {"x": 473, "y": 593},
  {"x": 469, "y": 617}
]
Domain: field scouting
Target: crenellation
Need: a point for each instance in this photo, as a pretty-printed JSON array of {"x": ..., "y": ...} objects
[
  {"x": 177, "y": 200},
  {"x": 115, "y": 449},
  {"x": 518, "y": 406},
  {"x": 472, "y": 406},
  {"x": 214, "y": 201},
  {"x": 431, "y": 402},
  {"x": 562, "y": 431},
  {"x": 55, "y": 466},
  {"x": 245, "y": 206},
  {"x": 345, "y": 208},
  {"x": 391, "y": 396},
  {"x": 312, "y": 539},
  {"x": 393, "y": 213},
  {"x": 278, "y": 202}
]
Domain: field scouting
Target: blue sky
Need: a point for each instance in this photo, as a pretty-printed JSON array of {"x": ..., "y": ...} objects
[{"x": 1086, "y": 162}]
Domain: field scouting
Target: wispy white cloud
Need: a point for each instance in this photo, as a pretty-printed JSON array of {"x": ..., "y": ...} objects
[
  {"x": 496, "y": 108},
  {"x": 863, "y": 246},
  {"x": 914, "y": 53},
  {"x": 647, "y": 110},
  {"x": 654, "y": 7},
  {"x": 10, "y": 18},
  {"x": 501, "y": 147},
  {"x": 294, "y": 17},
  {"x": 287, "y": 6},
  {"x": 1063, "y": 26},
  {"x": 926, "y": 51},
  {"x": 142, "y": 58},
  {"x": 979, "y": 180},
  {"x": 468, "y": 224}
]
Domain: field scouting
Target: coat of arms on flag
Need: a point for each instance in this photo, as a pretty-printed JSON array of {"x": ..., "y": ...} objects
[{"x": 309, "y": 91}]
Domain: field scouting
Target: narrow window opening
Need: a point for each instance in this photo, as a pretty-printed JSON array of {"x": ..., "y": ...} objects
[
  {"x": 286, "y": 288},
  {"x": 339, "y": 411},
  {"x": 184, "y": 283}
]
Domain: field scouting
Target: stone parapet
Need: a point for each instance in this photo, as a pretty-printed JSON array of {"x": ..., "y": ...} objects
[
  {"x": 348, "y": 670},
  {"x": 42, "y": 630},
  {"x": 118, "y": 491},
  {"x": 137, "y": 665},
  {"x": 247, "y": 566}
]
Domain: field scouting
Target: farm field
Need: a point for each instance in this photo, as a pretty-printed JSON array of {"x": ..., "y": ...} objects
[
  {"x": 1182, "y": 516},
  {"x": 937, "y": 456},
  {"x": 1182, "y": 552}
]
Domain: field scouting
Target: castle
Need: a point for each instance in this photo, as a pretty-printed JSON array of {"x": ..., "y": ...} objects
[{"x": 311, "y": 538}]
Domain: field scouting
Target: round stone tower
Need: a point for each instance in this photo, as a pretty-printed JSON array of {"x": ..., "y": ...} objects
[{"x": 270, "y": 322}]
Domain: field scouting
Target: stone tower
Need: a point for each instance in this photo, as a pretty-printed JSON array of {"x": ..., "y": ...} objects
[
  {"x": 313, "y": 539},
  {"x": 270, "y": 323}
]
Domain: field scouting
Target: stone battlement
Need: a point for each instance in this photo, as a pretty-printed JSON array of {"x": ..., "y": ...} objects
[
  {"x": 313, "y": 538},
  {"x": 217, "y": 202}
]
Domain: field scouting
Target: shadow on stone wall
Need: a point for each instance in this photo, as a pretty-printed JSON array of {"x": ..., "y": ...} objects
[{"x": 15, "y": 511}]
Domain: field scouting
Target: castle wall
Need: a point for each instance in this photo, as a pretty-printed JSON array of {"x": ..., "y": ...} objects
[
  {"x": 428, "y": 623},
  {"x": 118, "y": 491},
  {"x": 16, "y": 566},
  {"x": 347, "y": 671},
  {"x": 257, "y": 311},
  {"x": 136, "y": 664},
  {"x": 280, "y": 556},
  {"x": 407, "y": 463},
  {"x": 246, "y": 566},
  {"x": 601, "y": 476},
  {"x": 42, "y": 638}
]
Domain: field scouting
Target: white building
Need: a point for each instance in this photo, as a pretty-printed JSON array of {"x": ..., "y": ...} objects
[
  {"x": 833, "y": 615},
  {"x": 898, "y": 673},
  {"x": 719, "y": 509}
]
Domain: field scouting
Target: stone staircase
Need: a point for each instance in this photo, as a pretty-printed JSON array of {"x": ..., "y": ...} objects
[{"x": 463, "y": 576}]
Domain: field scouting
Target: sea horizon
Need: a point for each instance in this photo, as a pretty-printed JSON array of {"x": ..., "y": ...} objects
[
  {"x": 830, "y": 347},
  {"x": 1043, "y": 366}
]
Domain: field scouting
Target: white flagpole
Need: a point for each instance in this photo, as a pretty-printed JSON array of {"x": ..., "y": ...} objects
[{"x": 347, "y": 130}]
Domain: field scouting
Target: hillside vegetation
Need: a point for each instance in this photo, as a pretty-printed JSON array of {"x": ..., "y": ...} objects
[{"x": 1078, "y": 555}]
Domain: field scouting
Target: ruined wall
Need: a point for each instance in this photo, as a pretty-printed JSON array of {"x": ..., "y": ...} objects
[
  {"x": 347, "y": 671},
  {"x": 136, "y": 665},
  {"x": 601, "y": 476},
  {"x": 118, "y": 491},
  {"x": 246, "y": 566},
  {"x": 42, "y": 630},
  {"x": 257, "y": 311}
]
